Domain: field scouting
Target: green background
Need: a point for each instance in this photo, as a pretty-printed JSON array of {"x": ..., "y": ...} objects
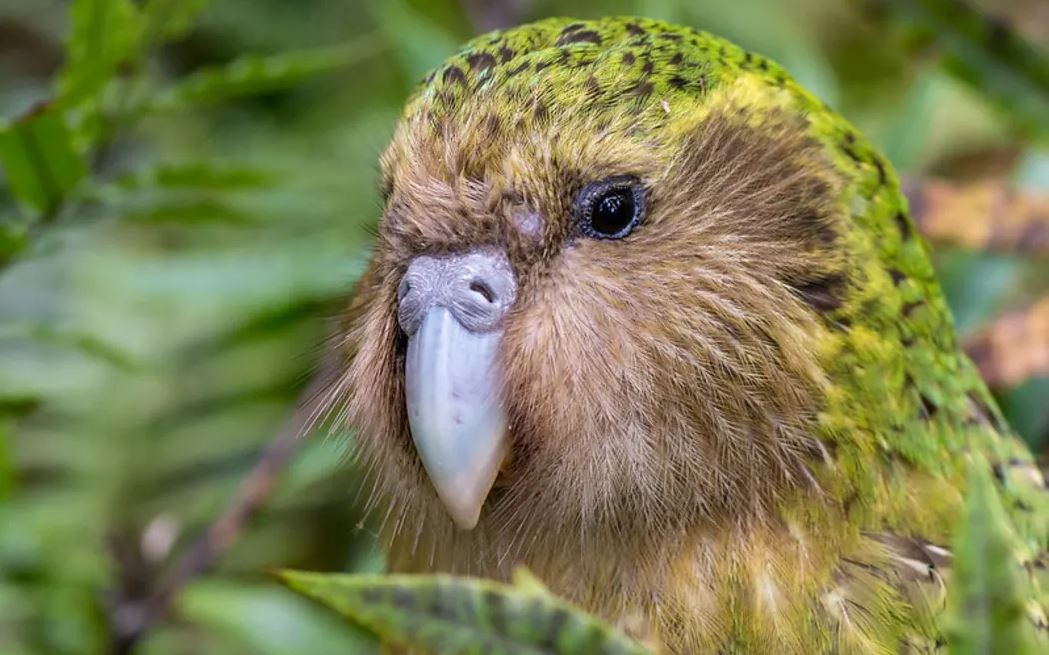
[{"x": 158, "y": 322}]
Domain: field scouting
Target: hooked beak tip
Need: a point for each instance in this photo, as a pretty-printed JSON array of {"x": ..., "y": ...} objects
[{"x": 464, "y": 501}]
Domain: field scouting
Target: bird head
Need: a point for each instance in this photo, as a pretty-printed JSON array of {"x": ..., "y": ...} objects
[{"x": 604, "y": 298}]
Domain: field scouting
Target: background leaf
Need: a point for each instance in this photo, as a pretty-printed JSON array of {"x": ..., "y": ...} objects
[
  {"x": 989, "y": 53},
  {"x": 167, "y": 19},
  {"x": 218, "y": 203},
  {"x": 253, "y": 74},
  {"x": 270, "y": 620},
  {"x": 104, "y": 34},
  {"x": 414, "y": 40},
  {"x": 39, "y": 159}
]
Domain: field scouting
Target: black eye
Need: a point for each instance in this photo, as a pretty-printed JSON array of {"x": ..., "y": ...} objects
[{"x": 611, "y": 208}]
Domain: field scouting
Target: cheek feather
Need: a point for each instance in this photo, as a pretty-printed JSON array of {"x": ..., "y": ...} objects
[{"x": 678, "y": 366}]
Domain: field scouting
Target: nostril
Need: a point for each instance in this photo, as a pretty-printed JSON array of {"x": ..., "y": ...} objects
[
  {"x": 481, "y": 287},
  {"x": 477, "y": 287}
]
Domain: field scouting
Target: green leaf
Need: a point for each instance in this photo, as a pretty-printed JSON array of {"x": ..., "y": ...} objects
[
  {"x": 194, "y": 192},
  {"x": 987, "y": 596},
  {"x": 169, "y": 19},
  {"x": 987, "y": 54},
  {"x": 86, "y": 344},
  {"x": 257, "y": 74},
  {"x": 1025, "y": 407},
  {"x": 7, "y": 469},
  {"x": 417, "y": 42},
  {"x": 38, "y": 156},
  {"x": 104, "y": 34},
  {"x": 449, "y": 615},
  {"x": 13, "y": 239},
  {"x": 904, "y": 140},
  {"x": 269, "y": 620},
  {"x": 189, "y": 211},
  {"x": 196, "y": 175}
]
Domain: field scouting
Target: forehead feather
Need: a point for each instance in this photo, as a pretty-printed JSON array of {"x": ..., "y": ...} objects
[
  {"x": 608, "y": 93},
  {"x": 611, "y": 65}
]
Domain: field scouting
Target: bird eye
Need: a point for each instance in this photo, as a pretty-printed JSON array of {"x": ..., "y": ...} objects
[{"x": 611, "y": 208}]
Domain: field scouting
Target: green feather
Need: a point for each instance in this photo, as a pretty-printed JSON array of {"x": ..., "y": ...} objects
[{"x": 988, "y": 597}]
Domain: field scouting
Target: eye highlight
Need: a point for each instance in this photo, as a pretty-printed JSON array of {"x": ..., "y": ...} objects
[{"x": 611, "y": 208}]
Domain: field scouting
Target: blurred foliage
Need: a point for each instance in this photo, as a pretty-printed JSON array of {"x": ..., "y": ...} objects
[
  {"x": 982, "y": 49},
  {"x": 186, "y": 193}
]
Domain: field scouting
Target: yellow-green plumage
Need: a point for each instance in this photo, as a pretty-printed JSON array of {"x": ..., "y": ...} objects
[{"x": 838, "y": 540}]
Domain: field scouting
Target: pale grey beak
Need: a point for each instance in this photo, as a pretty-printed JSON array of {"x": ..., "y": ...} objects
[{"x": 452, "y": 310}]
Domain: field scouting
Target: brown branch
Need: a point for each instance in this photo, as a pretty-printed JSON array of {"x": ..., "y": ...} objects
[
  {"x": 132, "y": 619},
  {"x": 986, "y": 215},
  {"x": 26, "y": 49},
  {"x": 1014, "y": 347}
]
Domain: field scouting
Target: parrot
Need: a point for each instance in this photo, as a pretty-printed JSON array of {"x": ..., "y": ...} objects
[{"x": 647, "y": 318}]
